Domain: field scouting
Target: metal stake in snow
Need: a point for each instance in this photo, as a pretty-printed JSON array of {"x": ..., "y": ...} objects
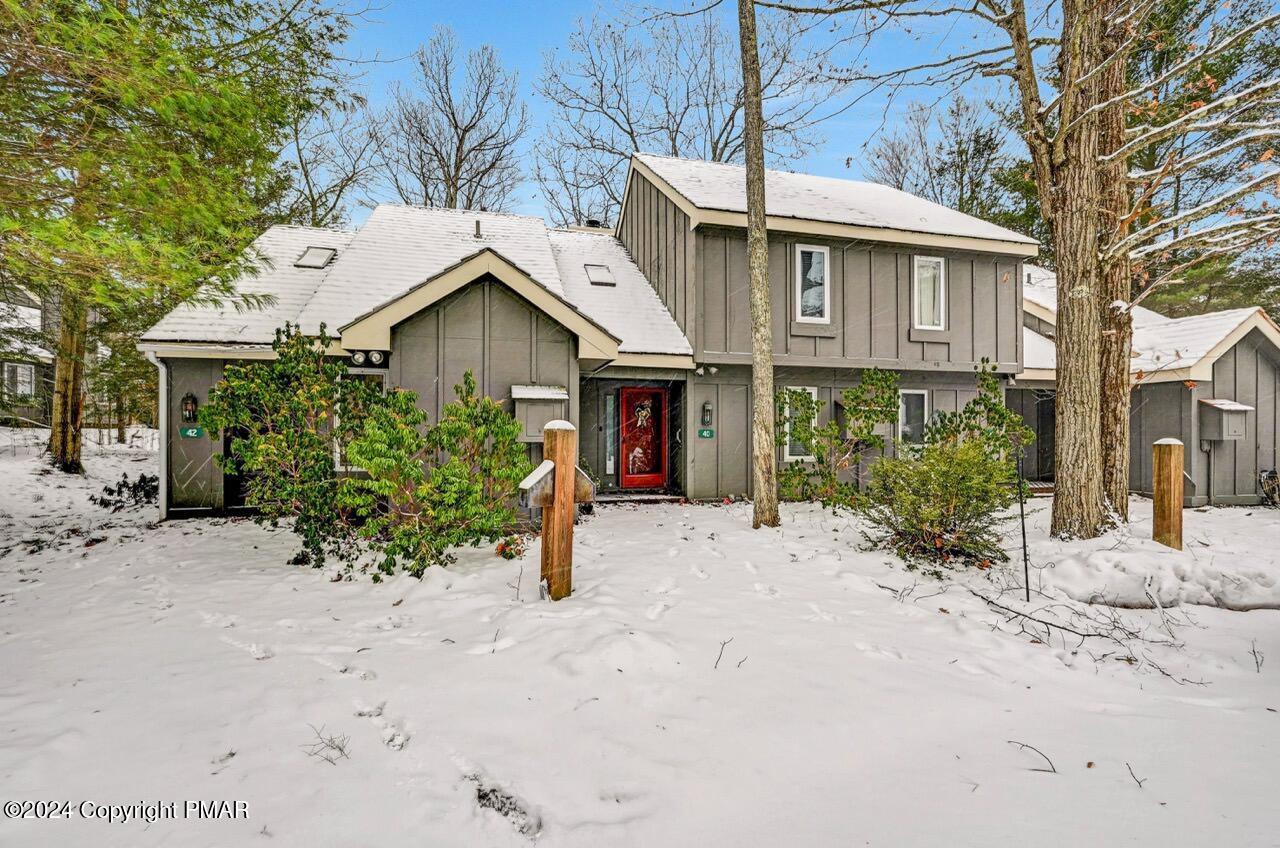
[
  {"x": 556, "y": 485},
  {"x": 1022, "y": 515},
  {"x": 1166, "y": 491}
]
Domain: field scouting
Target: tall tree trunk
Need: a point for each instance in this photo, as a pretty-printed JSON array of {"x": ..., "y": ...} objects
[
  {"x": 1077, "y": 502},
  {"x": 68, "y": 384},
  {"x": 763, "y": 449},
  {"x": 122, "y": 423},
  {"x": 1115, "y": 285}
]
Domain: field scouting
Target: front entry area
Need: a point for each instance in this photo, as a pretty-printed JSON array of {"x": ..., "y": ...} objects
[{"x": 643, "y": 430}]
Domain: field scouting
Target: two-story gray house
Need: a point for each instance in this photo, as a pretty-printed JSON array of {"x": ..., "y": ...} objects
[{"x": 640, "y": 335}]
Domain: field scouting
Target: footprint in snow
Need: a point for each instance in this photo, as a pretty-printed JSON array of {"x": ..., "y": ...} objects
[
  {"x": 218, "y": 619},
  {"x": 667, "y": 584},
  {"x": 710, "y": 551},
  {"x": 819, "y": 614},
  {"x": 751, "y": 569},
  {"x": 698, "y": 572},
  {"x": 253, "y": 649},
  {"x": 393, "y": 734},
  {"x": 656, "y": 611},
  {"x": 672, "y": 553},
  {"x": 768, "y": 591},
  {"x": 346, "y": 669}
]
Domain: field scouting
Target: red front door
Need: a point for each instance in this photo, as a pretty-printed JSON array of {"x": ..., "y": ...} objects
[{"x": 644, "y": 438}]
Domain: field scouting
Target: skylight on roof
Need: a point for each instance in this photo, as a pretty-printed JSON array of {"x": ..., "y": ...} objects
[
  {"x": 600, "y": 275},
  {"x": 315, "y": 257}
]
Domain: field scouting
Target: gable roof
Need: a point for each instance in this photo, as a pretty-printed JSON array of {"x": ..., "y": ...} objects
[
  {"x": 1040, "y": 297},
  {"x": 1167, "y": 349},
  {"x": 400, "y": 247},
  {"x": 630, "y": 309},
  {"x": 276, "y": 275},
  {"x": 824, "y": 206},
  {"x": 407, "y": 257}
]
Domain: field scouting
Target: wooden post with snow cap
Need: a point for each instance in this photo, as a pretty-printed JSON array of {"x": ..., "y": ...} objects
[
  {"x": 557, "y": 485},
  {"x": 1166, "y": 490}
]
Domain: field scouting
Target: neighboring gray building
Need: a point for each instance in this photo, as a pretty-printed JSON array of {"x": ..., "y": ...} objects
[
  {"x": 1211, "y": 381},
  {"x": 26, "y": 367},
  {"x": 639, "y": 335}
]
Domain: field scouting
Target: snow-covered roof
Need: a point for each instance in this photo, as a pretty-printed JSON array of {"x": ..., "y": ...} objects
[
  {"x": 630, "y": 308},
  {"x": 1176, "y": 343},
  {"x": 539, "y": 393},
  {"x": 1038, "y": 352},
  {"x": 292, "y": 287},
  {"x": 20, "y": 333},
  {"x": 1040, "y": 287},
  {"x": 1168, "y": 348},
  {"x": 401, "y": 247},
  {"x": 803, "y": 197},
  {"x": 1226, "y": 405}
]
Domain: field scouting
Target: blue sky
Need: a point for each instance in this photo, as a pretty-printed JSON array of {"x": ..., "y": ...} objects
[{"x": 523, "y": 31}]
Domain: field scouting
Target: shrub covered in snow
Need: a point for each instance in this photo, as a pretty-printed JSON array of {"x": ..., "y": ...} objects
[
  {"x": 431, "y": 489},
  {"x": 836, "y": 446}
]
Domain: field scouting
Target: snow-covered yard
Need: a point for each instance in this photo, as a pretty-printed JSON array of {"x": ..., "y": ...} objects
[{"x": 705, "y": 685}]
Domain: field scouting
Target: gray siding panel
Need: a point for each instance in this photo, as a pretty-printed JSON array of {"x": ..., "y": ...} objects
[
  {"x": 656, "y": 233},
  {"x": 870, "y": 307},
  {"x": 195, "y": 480},
  {"x": 1248, "y": 374},
  {"x": 487, "y": 329}
]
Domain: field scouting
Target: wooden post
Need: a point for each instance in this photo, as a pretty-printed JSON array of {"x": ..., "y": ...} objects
[
  {"x": 1166, "y": 488},
  {"x": 556, "y": 485}
]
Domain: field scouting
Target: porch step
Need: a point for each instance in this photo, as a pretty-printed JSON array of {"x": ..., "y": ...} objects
[
  {"x": 637, "y": 497},
  {"x": 1040, "y": 488}
]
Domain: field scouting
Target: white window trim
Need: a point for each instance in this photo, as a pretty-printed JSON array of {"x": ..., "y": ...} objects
[
  {"x": 338, "y": 465},
  {"x": 12, "y": 385},
  {"x": 787, "y": 455},
  {"x": 826, "y": 284},
  {"x": 916, "y": 323},
  {"x": 902, "y": 409}
]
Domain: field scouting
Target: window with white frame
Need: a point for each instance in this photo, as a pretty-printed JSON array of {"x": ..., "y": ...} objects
[
  {"x": 374, "y": 377},
  {"x": 929, "y": 294},
  {"x": 797, "y": 451},
  {"x": 19, "y": 380},
  {"x": 813, "y": 284},
  {"x": 913, "y": 415}
]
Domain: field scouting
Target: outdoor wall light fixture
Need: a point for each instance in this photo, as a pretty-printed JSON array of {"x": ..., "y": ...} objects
[
  {"x": 376, "y": 357},
  {"x": 189, "y": 406},
  {"x": 706, "y": 414},
  {"x": 358, "y": 358}
]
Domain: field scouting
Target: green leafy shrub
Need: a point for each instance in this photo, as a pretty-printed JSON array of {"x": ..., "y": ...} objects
[
  {"x": 285, "y": 427},
  {"x": 838, "y": 446},
  {"x": 431, "y": 489},
  {"x": 126, "y": 493},
  {"x": 940, "y": 502}
]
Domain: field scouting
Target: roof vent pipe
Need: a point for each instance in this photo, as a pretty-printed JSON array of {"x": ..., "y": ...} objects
[{"x": 477, "y": 228}]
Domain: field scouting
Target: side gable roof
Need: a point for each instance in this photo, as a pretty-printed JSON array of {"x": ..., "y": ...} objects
[
  {"x": 715, "y": 193},
  {"x": 290, "y": 286},
  {"x": 630, "y": 308}
]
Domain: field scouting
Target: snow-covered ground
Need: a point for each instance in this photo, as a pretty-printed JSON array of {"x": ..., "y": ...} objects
[{"x": 705, "y": 685}]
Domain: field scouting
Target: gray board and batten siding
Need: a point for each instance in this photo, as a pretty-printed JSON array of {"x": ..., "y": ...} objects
[
  {"x": 701, "y": 276},
  {"x": 485, "y": 327},
  {"x": 1248, "y": 373}
]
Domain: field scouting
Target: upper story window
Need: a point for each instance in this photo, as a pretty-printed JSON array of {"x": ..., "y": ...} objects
[
  {"x": 813, "y": 284},
  {"x": 929, "y": 294}
]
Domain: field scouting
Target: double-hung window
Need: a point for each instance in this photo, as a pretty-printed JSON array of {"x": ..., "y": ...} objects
[
  {"x": 929, "y": 294},
  {"x": 813, "y": 284},
  {"x": 913, "y": 415},
  {"x": 797, "y": 451},
  {"x": 19, "y": 380}
]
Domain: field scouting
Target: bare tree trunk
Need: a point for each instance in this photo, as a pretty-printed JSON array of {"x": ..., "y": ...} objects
[
  {"x": 1077, "y": 502},
  {"x": 122, "y": 422},
  {"x": 763, "y": 449},
  {"x": 1115, "y": 287},
  {"x": 68, "y": 385}
]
